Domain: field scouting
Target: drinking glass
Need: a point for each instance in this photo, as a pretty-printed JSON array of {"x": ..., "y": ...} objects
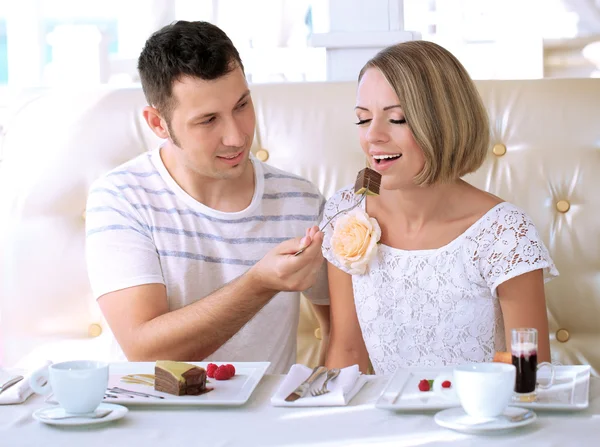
[{"x": 524, "y": 349}]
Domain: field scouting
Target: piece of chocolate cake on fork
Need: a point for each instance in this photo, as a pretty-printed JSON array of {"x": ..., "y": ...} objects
[
  {"x": 368, "y": 180},
  {"x": 179, "y": 378}
]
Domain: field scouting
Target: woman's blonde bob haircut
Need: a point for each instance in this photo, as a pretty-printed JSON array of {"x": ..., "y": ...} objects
[{"x": 441, "y": 105}]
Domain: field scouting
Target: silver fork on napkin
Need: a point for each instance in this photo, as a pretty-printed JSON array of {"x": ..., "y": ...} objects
[{"x": 331, "y": 374}]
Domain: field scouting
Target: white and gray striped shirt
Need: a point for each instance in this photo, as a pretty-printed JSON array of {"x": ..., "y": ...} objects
[{"x": 142, "y": 228}]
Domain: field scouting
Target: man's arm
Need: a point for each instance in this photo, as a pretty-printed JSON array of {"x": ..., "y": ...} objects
[
  {"x": 142, "y": 324},
  {"x": 145, "y": 329}
]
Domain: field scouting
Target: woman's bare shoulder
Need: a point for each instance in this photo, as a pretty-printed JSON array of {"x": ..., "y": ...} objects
[{"x": 476, "y": 202}]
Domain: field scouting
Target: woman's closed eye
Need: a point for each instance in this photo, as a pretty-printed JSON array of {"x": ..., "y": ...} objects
[{"x": 361, "y": 122}]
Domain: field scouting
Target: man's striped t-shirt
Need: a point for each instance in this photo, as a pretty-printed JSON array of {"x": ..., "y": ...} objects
[{"x": 142, "y": 228}]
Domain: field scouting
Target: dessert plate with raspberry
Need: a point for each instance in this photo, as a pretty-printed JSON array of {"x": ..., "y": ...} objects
[
  {"x": 410, "y": 389},
  {"x": 183, "y": 383}
]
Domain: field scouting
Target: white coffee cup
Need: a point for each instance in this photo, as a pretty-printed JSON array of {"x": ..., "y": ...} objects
[
  {"x": 78, "y": 386},
  {"x": 483, "y": 389}
]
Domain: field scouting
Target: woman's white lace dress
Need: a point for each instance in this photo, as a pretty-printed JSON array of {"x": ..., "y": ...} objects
[{"x": 440, "y": 307}]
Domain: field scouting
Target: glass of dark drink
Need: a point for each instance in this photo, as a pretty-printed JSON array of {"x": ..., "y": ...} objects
[{"x": 524, "y": 347}]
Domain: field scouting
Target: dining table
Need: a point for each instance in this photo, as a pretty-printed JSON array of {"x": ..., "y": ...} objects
[{"x": 259, "y": 423}]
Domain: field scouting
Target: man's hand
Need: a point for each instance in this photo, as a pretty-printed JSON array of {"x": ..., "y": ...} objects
[{"x": 280, "y": 270}]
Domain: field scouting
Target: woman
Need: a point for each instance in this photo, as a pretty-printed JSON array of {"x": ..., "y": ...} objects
[{"x": 456, "y": 268}]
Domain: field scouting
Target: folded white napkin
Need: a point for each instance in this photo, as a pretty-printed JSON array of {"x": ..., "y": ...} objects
[
  {"x": 19, "y": 392},
  {"x": 341, "y": 389}
]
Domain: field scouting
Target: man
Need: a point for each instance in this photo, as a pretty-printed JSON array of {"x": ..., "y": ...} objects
[{"x": 190, "y": 247}]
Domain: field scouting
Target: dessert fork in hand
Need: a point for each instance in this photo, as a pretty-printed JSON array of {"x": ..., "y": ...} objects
[
  {"x": 331, "y": 374},
  {"x": 363, "y": 195}
]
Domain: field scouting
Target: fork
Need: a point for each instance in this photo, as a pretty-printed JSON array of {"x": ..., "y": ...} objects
[
  {"x": 331, "y": 374},
  {"x": 117, "y": 390},
  {"x": 363, "y": 195}
]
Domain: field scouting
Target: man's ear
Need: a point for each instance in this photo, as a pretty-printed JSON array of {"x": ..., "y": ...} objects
[{"x": 155, "y": 121}]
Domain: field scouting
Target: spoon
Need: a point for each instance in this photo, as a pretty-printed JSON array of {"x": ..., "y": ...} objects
[{"x": 98, "y": 414}]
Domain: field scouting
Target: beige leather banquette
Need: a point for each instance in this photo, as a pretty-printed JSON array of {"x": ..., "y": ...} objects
[{"x": 544, "y": 157}]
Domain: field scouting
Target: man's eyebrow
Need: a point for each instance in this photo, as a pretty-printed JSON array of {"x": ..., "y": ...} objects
[
  {"x": 211, "y": 114},
  {"x": 244, "y": 96}
]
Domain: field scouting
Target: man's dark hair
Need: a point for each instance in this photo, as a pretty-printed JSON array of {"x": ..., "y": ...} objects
[{"x": 195, "y": 49}]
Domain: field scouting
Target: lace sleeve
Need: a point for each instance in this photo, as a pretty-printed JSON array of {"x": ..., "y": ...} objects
[
  {"x": 509, "y": 245},
  {"x": 341, "y": 200}
]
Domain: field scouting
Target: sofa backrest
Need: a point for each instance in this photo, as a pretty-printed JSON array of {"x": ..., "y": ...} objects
[{"x": 544, "y": 157}]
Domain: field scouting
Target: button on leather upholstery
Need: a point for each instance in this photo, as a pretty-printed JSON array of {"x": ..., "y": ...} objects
[
  {"x": 318, "y": 334},
  {"x": 262, "y": 155},
  {"x": 499, "y": 149},
  {"x": 563, "y": 206},
  {"x": 562, "y": 335},
  {"x": 94, "y": 330}
]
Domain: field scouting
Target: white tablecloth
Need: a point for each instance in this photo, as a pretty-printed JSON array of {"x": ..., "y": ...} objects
[{"x": 259, "y": 424}]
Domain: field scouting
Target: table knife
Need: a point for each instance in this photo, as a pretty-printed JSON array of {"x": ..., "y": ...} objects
[{"x": 302, "y": 390}]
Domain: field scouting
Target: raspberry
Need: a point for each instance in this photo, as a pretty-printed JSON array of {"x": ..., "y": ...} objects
[
  {"x": 446, "y": 384},
  {"x": 424, "y": 385},
  {"x": 231, "y": 369},
  {"x": 223, "y": 373},
  {"x": 210, "y": 370}
]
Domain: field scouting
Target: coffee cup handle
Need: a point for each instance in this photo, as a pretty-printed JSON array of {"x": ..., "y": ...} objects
[
  {"x": 445, "y": 393},
  {"x": 551, "y": 381},
  {"x": 38, "y": 381}
]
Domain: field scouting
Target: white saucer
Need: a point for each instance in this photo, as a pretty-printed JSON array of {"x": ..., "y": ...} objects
[
  {"x": 118, "y": 411},
  {"x": 457, "y": 419}
]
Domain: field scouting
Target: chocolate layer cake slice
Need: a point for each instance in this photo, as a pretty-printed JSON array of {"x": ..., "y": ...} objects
[
  {"x": 368, "y": 180},
  {"x": 179, "y": 378}
]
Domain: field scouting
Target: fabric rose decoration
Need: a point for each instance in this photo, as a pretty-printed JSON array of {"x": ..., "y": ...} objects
[{"x": 354, "y": 240}]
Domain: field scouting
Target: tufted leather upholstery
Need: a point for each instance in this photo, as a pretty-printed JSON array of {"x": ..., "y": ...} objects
[{"x": 544, "y": 157}]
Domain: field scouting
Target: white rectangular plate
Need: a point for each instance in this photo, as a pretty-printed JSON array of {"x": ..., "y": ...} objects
[
  {"x": 233, "y": 392},
  {"x": 402, "y": 391},
  {"x": 570, "y": 392}
]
